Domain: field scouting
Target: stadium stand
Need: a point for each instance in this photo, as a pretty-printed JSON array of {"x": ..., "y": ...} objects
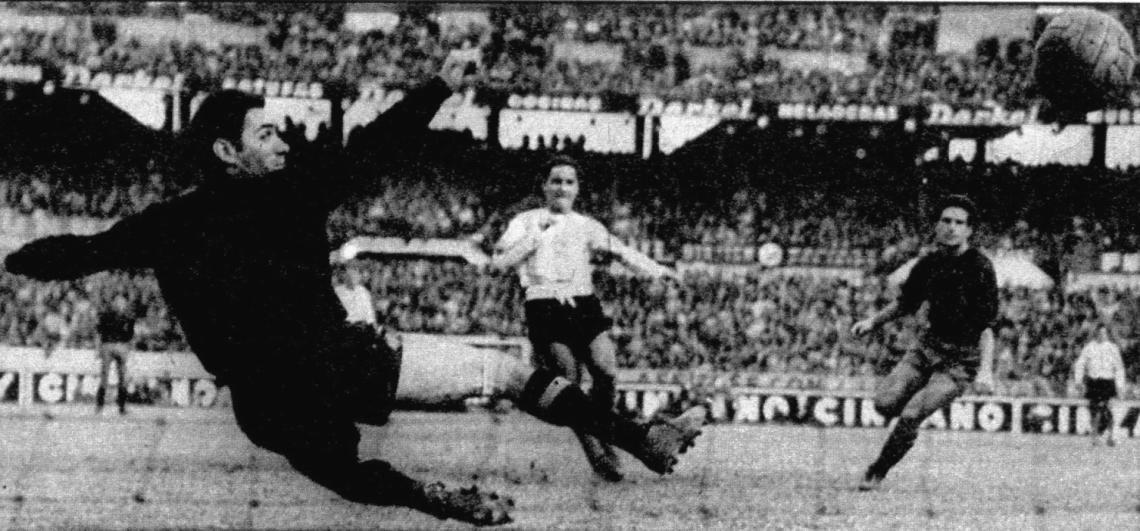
[
  {"x": 794, "y": 323},
  {"x": 678, "y": 51},
  {"x": 865, "y": 217}
]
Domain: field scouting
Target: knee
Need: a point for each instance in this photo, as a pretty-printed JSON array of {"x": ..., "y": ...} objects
[
  {"x": 912, "y": 414},
  {"x": 605, "y": 378},
  {"x": 888, "y": 403},
  {"x": 604, "y": 387},
  {"x": 372, "y": 482},
  {"x": 510, "y": 375}
]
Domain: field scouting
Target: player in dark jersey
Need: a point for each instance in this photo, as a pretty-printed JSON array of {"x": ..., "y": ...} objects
[
  {"x": 243, "y": 262},
  {"x": 115, "y": 331},
  {"x": 960, "y": 286}
]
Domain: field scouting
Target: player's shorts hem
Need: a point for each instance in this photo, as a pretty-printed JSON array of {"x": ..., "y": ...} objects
[
  {"x": 1099, "y": 390},
  {"x": 958, "y": 362},
  {"x": 551, "y": 321}
]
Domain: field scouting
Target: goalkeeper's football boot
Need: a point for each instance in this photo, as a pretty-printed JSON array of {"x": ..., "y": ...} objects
[
  {"x": 872, "y": 479},
  {"x": 666, "y": 438},
  {"x": 467, "y": 505}
]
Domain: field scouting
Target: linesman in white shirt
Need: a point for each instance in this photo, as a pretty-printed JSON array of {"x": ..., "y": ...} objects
[
  {"x": 1101, "y": 369},
  {"x": 551, "y": 248}
]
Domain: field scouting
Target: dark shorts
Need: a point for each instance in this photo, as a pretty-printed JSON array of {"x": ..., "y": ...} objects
[
  {"x": 114, "y": 350},
  {"x": 959, "y": 362},
  {"x": 1099, "y": 390},
  {"x": 310, "y": 402},
  {"x": 549, "y": 321}
]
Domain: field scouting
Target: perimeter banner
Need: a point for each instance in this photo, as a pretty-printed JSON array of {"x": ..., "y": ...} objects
[
  {"x": 56, "y": 388},
  {"x": 9, "y": 387},
  {"x": 838, "y": 409},
  {"x": 71, "y": 376}
]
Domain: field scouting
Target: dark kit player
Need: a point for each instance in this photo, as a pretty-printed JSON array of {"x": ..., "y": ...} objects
[
  {"x": 116, "y": 331},
  {"x": 959, "y": 284},
  {"x": 243, "y": 261}
]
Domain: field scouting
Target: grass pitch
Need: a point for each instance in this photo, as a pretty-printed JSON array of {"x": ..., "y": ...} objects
[{"x": 164, "y": 468}]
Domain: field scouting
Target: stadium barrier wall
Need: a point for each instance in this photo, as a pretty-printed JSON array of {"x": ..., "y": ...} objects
[
  {"x": 31, "y": 380},
  {"x": 833, "y": 409}
]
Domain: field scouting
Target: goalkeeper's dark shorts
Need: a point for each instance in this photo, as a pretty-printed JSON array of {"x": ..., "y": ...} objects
[{"x": 308, "y": 405}]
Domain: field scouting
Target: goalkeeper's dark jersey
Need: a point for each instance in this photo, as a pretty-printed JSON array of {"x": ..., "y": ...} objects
[
  {"x": 244, "y": 264},
  {"x": 961, "y": 290}
]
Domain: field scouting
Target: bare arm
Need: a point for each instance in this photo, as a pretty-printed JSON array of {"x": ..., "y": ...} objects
[
  {"x": 637, "y": 260},
  {"x": 508, "y": 256},
  {"x": 890, "y": 312},
  {"x": 1079, "y": 366},
  {"x": 1119, "y": 373},
  {"x": 986, "y": 371},
  {"x": 517, "y": 243},
  {"x": 910, "y": 298}
]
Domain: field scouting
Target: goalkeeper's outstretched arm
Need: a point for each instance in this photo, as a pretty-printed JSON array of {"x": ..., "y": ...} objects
[{"x": 132, "y": 242}]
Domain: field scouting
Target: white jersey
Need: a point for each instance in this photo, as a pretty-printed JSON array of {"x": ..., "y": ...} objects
[
  {"x": 357, "y": 303},
  {"x": 1102, "y": 361},
  {"x": 552, "y": 252}
]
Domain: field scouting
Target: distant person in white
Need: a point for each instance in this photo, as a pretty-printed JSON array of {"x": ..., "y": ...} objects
[
  {"x": 355, "y": 297},
  {"x": 1101, "y": 369},
  {"x": 551, "y": 248}
]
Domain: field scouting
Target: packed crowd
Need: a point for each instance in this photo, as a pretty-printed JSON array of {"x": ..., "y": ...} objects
[
  {"x": 753, "y": 323},
  {"x": 803, "y": 27},
  {"x": 750, "y": 323},
  {"x": 801, "y": 325},
  {"x": 245, "y": 13},
  {"x": 675, "y": 51},
  {"x": 54, "y": 315},
  {"x": 96, "y": 195},
  {"x": 1054, "y": 211}
]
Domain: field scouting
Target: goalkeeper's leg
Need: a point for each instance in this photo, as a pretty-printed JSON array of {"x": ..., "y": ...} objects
[
  {"x": 561, "y": 359},
  {"x": 319, "y": 437},
  {"x": 601, "y": 361},
  {"x": 451, "y": 372}
]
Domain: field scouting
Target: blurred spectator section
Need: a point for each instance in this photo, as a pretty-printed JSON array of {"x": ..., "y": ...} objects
[
  {"x": 814, "y": 53},
  {"x": 758, "y": 322},
  {"x": 31, "y": 312}
]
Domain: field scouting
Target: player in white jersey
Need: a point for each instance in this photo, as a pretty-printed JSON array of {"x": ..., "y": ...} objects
[
  {"x": 551, "y": 247},
  {"x": 1101, "y": 370}
]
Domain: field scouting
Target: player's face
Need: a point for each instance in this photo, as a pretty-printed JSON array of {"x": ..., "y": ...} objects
[
  {"x": 561, "y": 188},
  {"x": 953, "y": 228},
  {"x": 261, "y": 151},
  {"x": 1102, "y": 334},
  {"x": 353, "y": 276}
]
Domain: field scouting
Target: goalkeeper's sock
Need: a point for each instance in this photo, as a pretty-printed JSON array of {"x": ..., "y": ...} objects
[
  {"x": 559, "y": 401},
  {"x": 898, "y": 444},
  {"x": 604, "y": 391}
]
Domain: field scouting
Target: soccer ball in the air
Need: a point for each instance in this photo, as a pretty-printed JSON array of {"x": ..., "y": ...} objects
[{"x": 1084, "y": 60}]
